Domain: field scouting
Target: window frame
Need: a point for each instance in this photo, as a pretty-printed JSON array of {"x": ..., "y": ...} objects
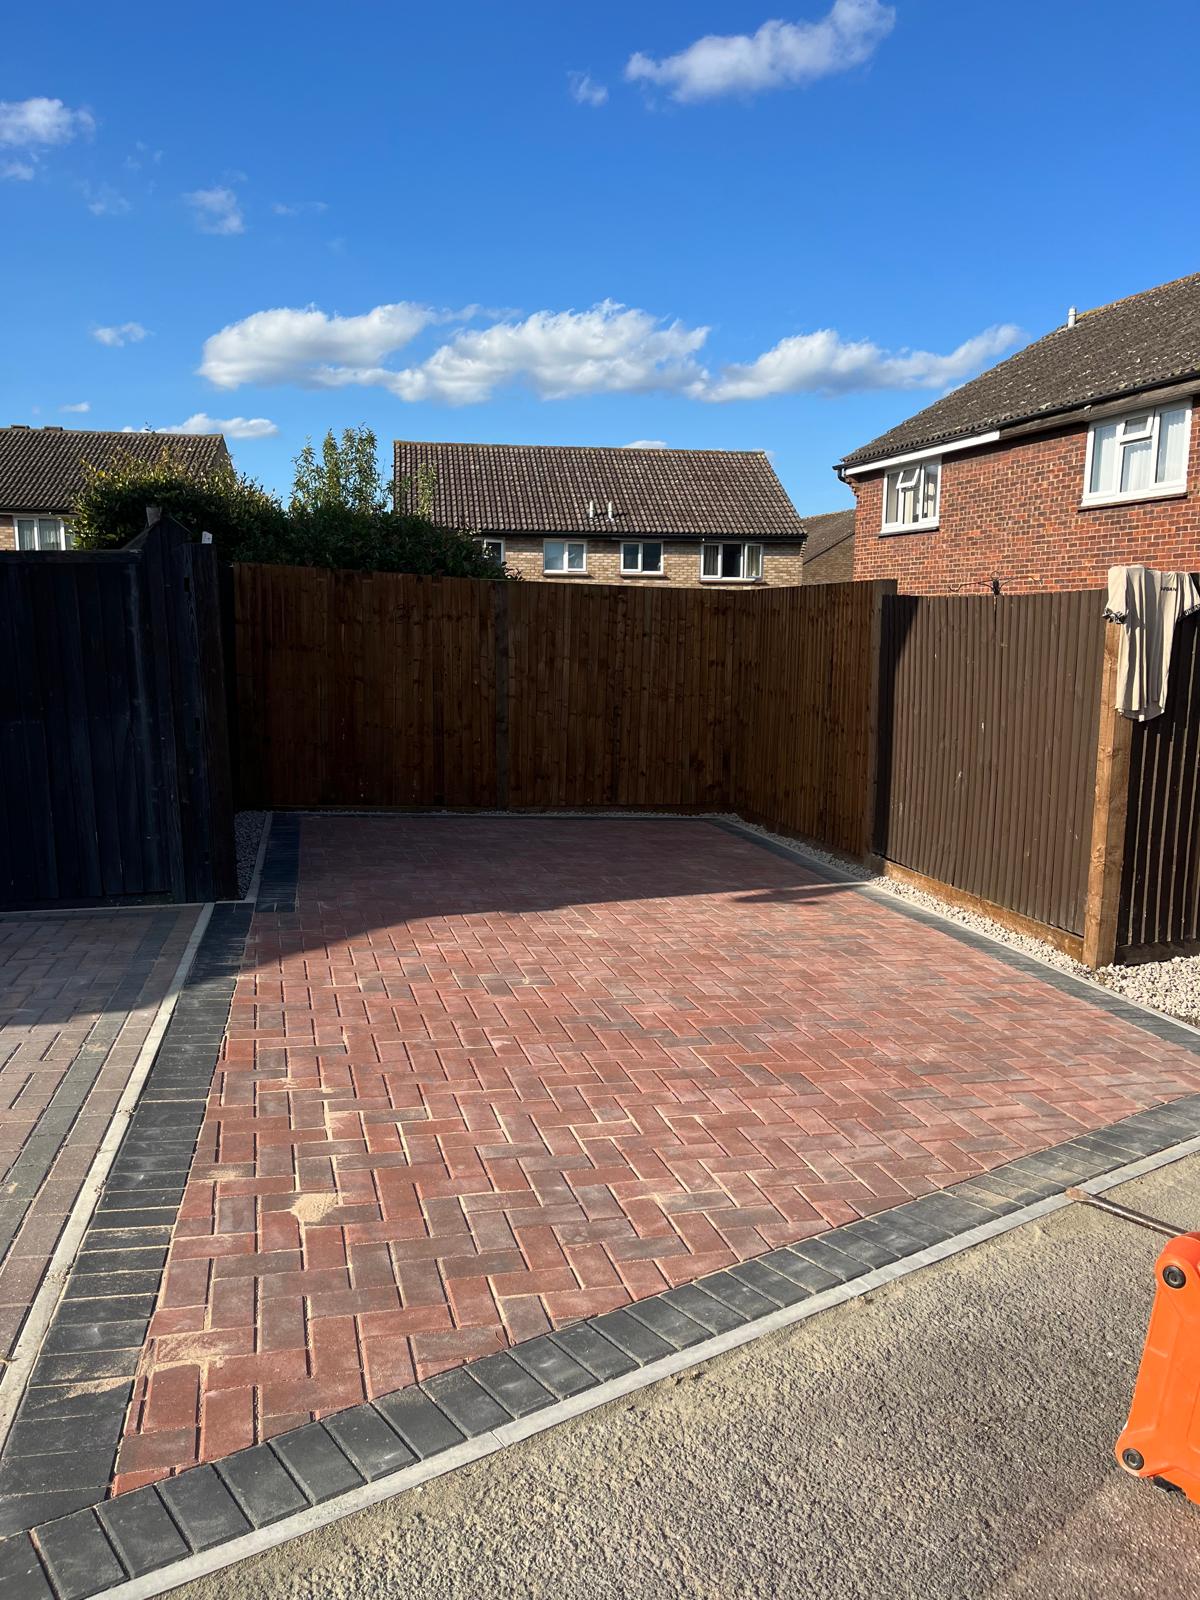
[
  {"x": 641, "y": 571},
  {"x": 1156, "y": 491},
  {"x": 743, "y": 545},
  {"x": 922, "y": 524},
  {"x": 64, "y": 538},
  {"x": 565, "y": 571},
  {"x": 487, "y": 539}
]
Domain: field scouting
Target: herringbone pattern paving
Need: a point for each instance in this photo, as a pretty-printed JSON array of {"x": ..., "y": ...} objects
[{"x": 496, "y": 1075}]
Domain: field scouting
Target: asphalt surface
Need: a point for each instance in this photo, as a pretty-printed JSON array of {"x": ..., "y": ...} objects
[{"x": 946, "y": 1438}]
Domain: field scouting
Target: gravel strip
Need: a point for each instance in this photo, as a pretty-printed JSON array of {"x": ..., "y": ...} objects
[
  {"x": 1171, "y": 986},
  {"x": 247, "y": 832}
]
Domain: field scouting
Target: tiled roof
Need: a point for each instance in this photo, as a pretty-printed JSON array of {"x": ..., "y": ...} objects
[
  {"x": 829, "y": 548},
  {"x": 503, "y": 488},
  {"x": 1147, "y": 340},
  {"x": 41, "y": 469}
]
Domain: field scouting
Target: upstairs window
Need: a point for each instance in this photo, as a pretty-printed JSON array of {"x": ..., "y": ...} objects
[
  {"x": 41, "y": 533},
  {"x": 1138, "y": 456},
  {"x": 912, "y": 497},
  {"x": 731, "y": 563},
  {"x": 564, "y": 556},
  {"x": 645, "y": 557}
]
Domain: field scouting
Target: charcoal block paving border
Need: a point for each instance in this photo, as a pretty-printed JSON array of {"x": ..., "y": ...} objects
[
  {"x": 59, "y": 1453},
  {"x": 103, "y": 1542}
]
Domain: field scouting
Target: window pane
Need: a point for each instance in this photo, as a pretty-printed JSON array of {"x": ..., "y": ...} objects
[
  {"x": 754, "y": 561},
  {"x": 1104, "y": 459},
  {"x": 1137, "y": 427},
  {"x": 1136, "y": 465},
  {"x": 892, "y": 509},
  {"x": 26, "y": 533},
  {"x": 554, "y": 555},
  {"x": 710, "y": 560},
  {"x": 629, "y": 557},
  {"x": 652, "y": 557},
  {"x": 731, "y": 560},
  {"x": 908, "y": 500},
  {"x": 930, "y": 490},
  {"x": 1172, "y": 447},
  {"x": 575, "y": 557}
]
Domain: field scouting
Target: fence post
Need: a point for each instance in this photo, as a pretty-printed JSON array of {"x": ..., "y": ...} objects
[
  {"x": 1109, "y": 809},
  {"x": 881, "y": 589}
]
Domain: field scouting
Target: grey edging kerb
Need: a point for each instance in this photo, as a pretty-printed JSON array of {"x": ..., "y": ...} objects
[{"x": 154, "y": 1538}]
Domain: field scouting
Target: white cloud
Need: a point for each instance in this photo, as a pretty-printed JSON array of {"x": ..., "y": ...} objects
[
  {"x": 232, "y": 427},
  {"x": 22, "y": 171},
  {"x": 299, "y": 208},
  {"x": 106, "y": 201},
  {"x": 79, "y": 408},
  {"x": 585, "y": 91},
  {"x": 824, "y": 363},
  {"x": 26, "y": 123},
  {"x": 308, "y": 347},
  {"x": 609, "y": 349},
  {"x": 216, "y": 211},
  {"x": 647, "y": 444},
  {"x": 121, "y": 333},
  {"x": 779, "y": 56}
]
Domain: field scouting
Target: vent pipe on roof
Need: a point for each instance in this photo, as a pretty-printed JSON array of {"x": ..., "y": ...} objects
[
  {"x": 1072, "y": 315},
  {"x": 591, "y": 510},
  {"x": 610, "y": 511}
]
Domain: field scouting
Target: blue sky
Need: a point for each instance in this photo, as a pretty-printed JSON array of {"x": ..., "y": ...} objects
[{"x": 715, "y": 225}]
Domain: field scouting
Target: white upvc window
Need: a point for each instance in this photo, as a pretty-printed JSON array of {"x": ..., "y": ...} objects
[
  {"x": 41, "y": 533},
  {"x": 564, "y": 555},
  {"x": 912, "y": 496},
  {"x": 731, "y": 562},
  {"x": 1139, "y": 456},
  {"x": 493, "y": 547},
  {"x": 643, "y": 556}
]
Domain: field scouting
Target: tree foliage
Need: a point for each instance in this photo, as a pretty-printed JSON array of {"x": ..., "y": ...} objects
[{"x": 337, "y": 516}]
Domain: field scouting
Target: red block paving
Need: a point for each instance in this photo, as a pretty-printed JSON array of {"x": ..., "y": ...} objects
[{"x": 496, "y": 1074}]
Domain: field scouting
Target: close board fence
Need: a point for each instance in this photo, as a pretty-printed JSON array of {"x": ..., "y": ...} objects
[{"x": 114, "y": 765}]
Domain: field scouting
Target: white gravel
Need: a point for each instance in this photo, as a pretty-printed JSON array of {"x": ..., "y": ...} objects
[
  {"x": 247, "y": 832},
  {"x": 1171, "y": 986}
]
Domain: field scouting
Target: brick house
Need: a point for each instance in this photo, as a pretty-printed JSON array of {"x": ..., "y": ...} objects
[
  {"x": 41, "y": 474},
  {"x": 829, "y": 547},
  {"x": 1074, "y": 455},
  {"x": 626, "y": 516}
]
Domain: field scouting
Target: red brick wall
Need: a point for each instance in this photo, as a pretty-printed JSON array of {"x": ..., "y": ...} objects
[{"x": 1013, "y": 513}]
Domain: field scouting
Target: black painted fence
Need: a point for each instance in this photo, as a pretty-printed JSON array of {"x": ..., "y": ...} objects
[{"x": 114, "y": 759}]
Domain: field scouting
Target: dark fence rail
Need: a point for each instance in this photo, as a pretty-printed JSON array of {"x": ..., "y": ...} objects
[
  {"x": 114, "y": 767},
  {"x": 987, "y": 755},
  {"x": 1160, "y": 888},
  {"x": 386, "y": 690}
]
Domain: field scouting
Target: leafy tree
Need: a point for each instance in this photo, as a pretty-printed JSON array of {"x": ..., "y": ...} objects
[
  {"x": 346, "y": 478},
  {"x": 337, "y": 517},
  {"x": 245, "y": 521}
]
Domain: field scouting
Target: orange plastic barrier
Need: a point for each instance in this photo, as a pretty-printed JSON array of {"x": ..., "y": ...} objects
[{"x": 1161, "y": 1440}]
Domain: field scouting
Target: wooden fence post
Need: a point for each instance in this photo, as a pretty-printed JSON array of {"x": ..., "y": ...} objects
[
  {"x": 1109, "y": 810},
  {"x": 882, "y": 589}
]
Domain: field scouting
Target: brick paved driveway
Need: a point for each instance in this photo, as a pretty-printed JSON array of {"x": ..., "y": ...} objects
[
  {"x": 491, "y": 1076},
  {"x": 77, "y": 996}
]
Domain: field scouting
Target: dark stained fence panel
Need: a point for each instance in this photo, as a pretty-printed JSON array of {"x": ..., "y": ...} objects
[
  {"x": 988, "y": 726},
  {"x": 1160, "y": 891},
  {"x": 114, "y": 768}
]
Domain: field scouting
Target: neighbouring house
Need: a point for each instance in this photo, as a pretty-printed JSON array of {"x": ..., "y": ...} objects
[
  {"x": 829, "y": 547},
  {"x": 586, "y": 514},
  {"x": 41, "y": 474},
  {"x": 1074, "y": 455}
]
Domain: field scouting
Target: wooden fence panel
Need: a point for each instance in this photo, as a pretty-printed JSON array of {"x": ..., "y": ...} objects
[
  {"x": 383, "y": 690},
  {"x": 988, "y": 716},
  {"x": 114, "y": 770},
  {"x": 1160, "y": 891}
]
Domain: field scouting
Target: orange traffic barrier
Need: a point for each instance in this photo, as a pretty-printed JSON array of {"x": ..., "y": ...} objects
[{"x": 1161, "y": 1440}]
